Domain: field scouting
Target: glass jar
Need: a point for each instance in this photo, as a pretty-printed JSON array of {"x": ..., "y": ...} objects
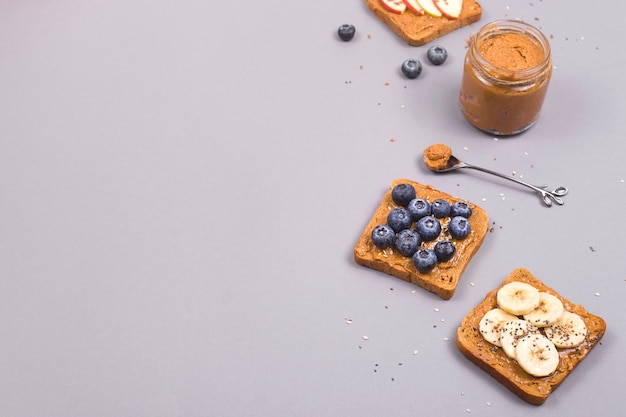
[{"x": 506, "y": 73}]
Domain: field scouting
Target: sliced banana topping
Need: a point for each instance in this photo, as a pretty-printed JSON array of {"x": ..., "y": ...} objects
[
  {"x": 512, "y": 331},
  {"x": 491, "y": 322},
  {"x": 518, "y": 298},
  {"x": 548, "y": 311},
  {"x": 569, "y": 330},
  {"x": 537, "y": 355},
  {"x": 529, "y": 325}
]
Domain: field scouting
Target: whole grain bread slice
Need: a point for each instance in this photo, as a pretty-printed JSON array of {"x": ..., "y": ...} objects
[
  {"x": 444, "y": 278},
  {"x": 418, "y": 30},
  {"x": 494, "y": 361}
]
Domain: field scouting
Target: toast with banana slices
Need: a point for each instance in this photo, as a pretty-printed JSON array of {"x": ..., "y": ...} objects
[{"x": 527, "y": 336}]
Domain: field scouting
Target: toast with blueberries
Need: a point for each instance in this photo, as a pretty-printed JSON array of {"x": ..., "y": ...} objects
[{"x": 422, "y": 235}]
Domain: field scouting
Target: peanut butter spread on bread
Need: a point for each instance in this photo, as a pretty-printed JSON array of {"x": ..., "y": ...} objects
[
  {"x": 418, "y": 30},
  {"x": 444, "y": 278},
  {"x": 436, "y": 156},
  {"x": 495, "y": 362}
]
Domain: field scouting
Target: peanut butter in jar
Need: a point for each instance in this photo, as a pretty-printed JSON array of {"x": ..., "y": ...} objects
[{"x": 506, "y": 74}]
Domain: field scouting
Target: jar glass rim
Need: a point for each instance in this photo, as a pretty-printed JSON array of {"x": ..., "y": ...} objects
[{"x": 499, "y": 27}]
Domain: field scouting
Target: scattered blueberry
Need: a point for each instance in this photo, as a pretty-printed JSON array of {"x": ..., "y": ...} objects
[
  {"x": 418, "y": 207},
  {"x": 399, "y": 219},
  {"x": 440, "y": 208},
  {"x": 424, "y": 260},
  {"x": 460, "y": 208},
  {"x": 383, "y": 236},
  {"x": 437, "y": 55},
  {"x": 346, "y": 32},
  {"x": 408, "y": 242},
  {"x": 459, "y": 227},
  {"x": 411, "y": 68},
  {"x": 445, "y": 250},
  {"x": 402, "y": 194},
  {"x": 428, "y": 227}
]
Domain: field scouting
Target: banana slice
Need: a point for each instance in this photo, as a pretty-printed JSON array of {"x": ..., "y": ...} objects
[
  {"x": 537, "y": 355},
  {"x": 548, "y": 311},
  {"x": 518, "y": 298},
  {"x": 491, "y": 322},
  {"x": 569, "y": 330},
  {"x": 512, "y": 331}
]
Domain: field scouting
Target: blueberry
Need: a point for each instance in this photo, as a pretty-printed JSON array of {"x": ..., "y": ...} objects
[
  {"x": 418, "y": 207},
  {"x": 428, "y": 227},
  {"x": 459, "y": 227},
  {"x": 445, "y": 250},
  {"x": 460, "y": 208},
  {"x": 408, "y": 242},
  {"x": 440, "y": 208},
  {"x": 402, "y": 194},
  {"x": 399, "y": 219},
  {"x": 383, "y": 236},
  {"x": 437, "y": 55},
  {"x": 346, "y": 32},
  {"x": 424, "y": 260},
  {"x": 411, "y": 68}
]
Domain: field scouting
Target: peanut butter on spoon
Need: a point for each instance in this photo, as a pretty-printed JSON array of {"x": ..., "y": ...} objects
[
  {"x": 439, "y": 158},
  {"x": 436, "y": 156}
]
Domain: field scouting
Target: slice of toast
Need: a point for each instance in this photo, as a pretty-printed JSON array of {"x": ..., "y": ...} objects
[
  {"x": 444, "y": 278},
  {"x": 418, "y": 30},
  {"x": 495, "y": 362}
]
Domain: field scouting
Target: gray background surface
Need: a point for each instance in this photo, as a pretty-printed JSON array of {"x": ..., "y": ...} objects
[{"x": 182, "y": 184}]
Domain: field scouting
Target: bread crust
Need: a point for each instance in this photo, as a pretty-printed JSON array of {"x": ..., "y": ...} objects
[
  {"x": 494, "y": 361},
  {"x": 444, "y": 278},
  {"x": 419, "y": 30}
]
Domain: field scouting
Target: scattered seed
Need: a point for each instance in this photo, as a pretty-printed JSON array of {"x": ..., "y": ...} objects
[
  {"x": 365, "y": 338},
  {"x": 415, "y": 352}
]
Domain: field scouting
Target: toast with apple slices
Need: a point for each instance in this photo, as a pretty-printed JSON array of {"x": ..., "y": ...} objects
[
  {"x": 495, "y": 361},
  {"x": 444, "y": 278},
  {"x": 418, "y": 29}
]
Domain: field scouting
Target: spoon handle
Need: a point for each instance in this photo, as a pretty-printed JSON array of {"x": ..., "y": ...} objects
[{"x": 547, "y": 196}]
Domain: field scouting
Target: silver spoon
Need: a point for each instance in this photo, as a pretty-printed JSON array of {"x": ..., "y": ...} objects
[{"x": 547, "y": 196}]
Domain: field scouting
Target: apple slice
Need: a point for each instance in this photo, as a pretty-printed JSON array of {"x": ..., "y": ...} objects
[
  {"x": 413, "y": 6},
  {"x": 394, "y": 6},
  {"x": 450, "y": 8},
  {"x": 429, "y": 7}
]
